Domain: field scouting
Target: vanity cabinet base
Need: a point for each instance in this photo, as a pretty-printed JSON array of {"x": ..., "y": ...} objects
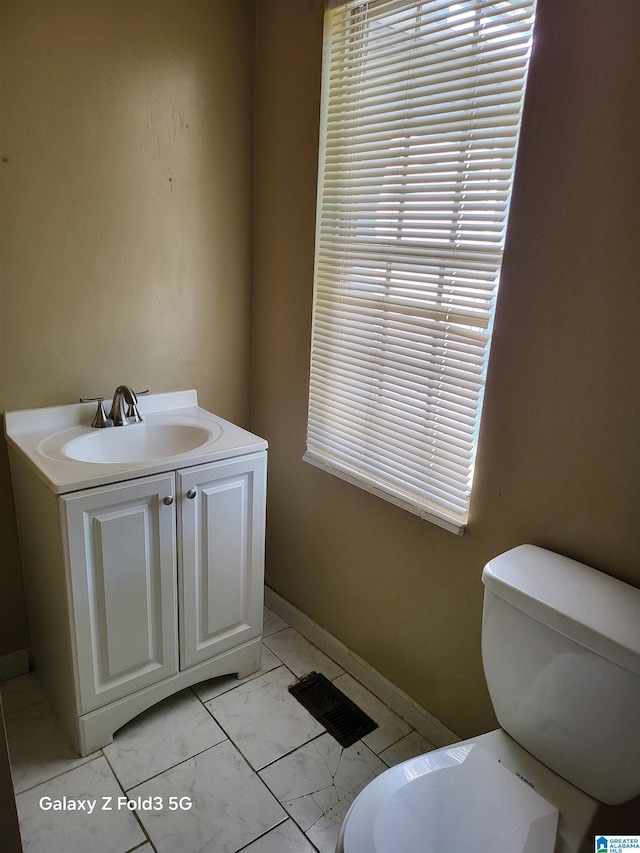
[{"x": 96, "y": 728}]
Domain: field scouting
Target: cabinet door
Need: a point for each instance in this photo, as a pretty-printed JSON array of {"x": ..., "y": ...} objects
[
  {"x": 122, "y": 558},
  {"x": 221, "y": 555}
]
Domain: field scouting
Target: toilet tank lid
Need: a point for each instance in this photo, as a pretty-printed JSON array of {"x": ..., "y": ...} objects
[{"x": 594, "y": 609}]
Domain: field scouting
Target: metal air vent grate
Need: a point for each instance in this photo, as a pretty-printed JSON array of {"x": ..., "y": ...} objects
[{"x": 338, "y": 714}]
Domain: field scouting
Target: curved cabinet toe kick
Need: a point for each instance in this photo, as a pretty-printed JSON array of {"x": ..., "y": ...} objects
[{"x": 138, "y": 589}]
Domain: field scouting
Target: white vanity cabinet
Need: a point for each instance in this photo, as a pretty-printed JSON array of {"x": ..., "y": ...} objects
[
  {"x": 142, "y": 551},
  {"x": 145, "y": 557},
  {"x": 140, "y": 588},
  {"x": 121, "y": 543}
]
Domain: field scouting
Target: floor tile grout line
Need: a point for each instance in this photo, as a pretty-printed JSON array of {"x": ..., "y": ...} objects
[
  {"x": 284, "y": 820},
  {"x": 9, "y": 711},
  {"x": 314, "y": 847},
  {"x": 94, "y": 757},
  {"x": 248, "y": 680},
  {"x": 124, "y": 791},
  {"x": 262, "y": 834},
  {"x": 182, "y": 761},
  {"x": 276, "y": 798},
  {"x": 266, "y": 786},
  {"x": 311, "y": 643},
  {"x": 255, "y": 770},
  {"x": 290, "y": 752},
  {"x": 140, "y": 846}
]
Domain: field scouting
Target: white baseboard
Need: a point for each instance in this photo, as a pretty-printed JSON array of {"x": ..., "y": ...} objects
[
  {"x": 16, "y": 663},
  {"x": 424, "y": 722}
]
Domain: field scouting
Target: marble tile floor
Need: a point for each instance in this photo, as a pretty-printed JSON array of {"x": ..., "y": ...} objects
[{"x": 227, "y": 765}]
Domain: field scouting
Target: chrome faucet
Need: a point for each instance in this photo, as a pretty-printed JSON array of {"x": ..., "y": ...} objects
[
  {"x": 123, "y": 394},
  {"x": 118, "y": 415}
]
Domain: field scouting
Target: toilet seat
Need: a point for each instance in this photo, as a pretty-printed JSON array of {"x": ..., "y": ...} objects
[{"x": 459, "y": 798}]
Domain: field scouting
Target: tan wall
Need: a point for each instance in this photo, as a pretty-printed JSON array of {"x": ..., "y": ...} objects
[
  {"x": 126, "y": 211},
  {"x": 558, "y": 461}
]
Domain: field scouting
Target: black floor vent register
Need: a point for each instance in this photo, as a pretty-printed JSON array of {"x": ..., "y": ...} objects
[{"x": 338, "y": 714}]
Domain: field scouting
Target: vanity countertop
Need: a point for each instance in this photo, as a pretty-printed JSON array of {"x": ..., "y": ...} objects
[{"x": 43, "y": 438}]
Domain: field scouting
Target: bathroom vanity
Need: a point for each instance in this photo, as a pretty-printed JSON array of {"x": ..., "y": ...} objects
[{"x": 142, "y": 551}]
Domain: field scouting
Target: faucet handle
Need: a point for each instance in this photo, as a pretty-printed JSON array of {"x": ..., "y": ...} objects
[
  {"x": 100, "y": 420},
  {"x": 133, "y": 414}
]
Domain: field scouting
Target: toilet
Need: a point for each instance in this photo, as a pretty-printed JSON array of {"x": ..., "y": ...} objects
[{"x": 561, "y": 656}]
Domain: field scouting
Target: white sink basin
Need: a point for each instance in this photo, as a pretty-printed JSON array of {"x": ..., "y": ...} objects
[
  {"x": 68, "y": 454},
  {"x": 136, "y": 443}
]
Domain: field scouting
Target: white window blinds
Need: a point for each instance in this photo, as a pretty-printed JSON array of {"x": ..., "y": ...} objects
[{"x": 421, "y": 110}]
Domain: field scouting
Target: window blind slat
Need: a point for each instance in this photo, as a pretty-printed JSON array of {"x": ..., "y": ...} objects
[
  {"x": 448, "y": 256},
  {"x": 421, "y": 110}
]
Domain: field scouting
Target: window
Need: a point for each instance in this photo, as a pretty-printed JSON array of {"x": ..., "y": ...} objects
[{"x": 421, "y": 111}]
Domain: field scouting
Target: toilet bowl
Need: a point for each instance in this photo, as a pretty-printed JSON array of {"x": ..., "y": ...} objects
[
  {"x": 482, "y": 794},
  {"x": 561, "y": 653}
]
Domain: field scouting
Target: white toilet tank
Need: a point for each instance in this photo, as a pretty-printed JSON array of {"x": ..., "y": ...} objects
[{"x": 561, "y": 655}]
